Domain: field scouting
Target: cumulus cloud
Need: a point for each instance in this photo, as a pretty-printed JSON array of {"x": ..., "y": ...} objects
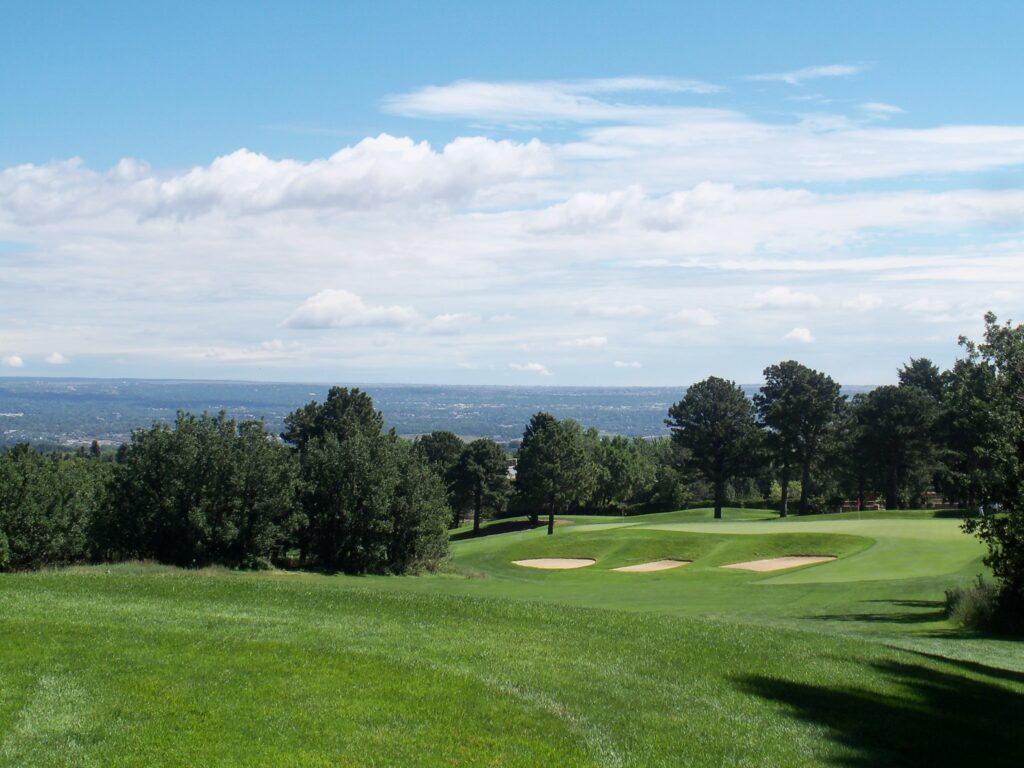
[
  {"x": 377, "y": 172},
  {"x": 627, "y": 364},
  {"x": 797, "y": 76},
  {"x": 800, "y": 334},
  {"x": 12, "y": 361},
  {"x": 334, "y": 308},
  {"x": 56, "y": 358},
  {"x": 645, "y": 202},
  {"x": 783, "y": 297},
  {"x": 537, "y": 368}
]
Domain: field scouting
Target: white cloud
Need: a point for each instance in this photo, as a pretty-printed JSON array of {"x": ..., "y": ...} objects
[
  {"x": 797, "y": 76},
  {"x": 627, "y": 364},
  {"x": 862, "y": 302},
  {"x": 537, "y": 368},
  {"x": 881, "y": 109},
  {"x": 12, "y": 361},
  {"x": 377, "y": 172},
  {"x": 782, "y": 297},
  {"x": 621, "y": 223},
  {"x": 343, "y": 309},
  {"x": 270, "y": 352},
  {"x": 450, "y": 324},
  {"x": 693, "y": 316},
  {"x": 586, "y": 342},
  {"x": 802, "y": 335},
  {"x": 613, "y": 311},
  {"x": 56, "y": 358},
  {"x": 540, "y": 101}
]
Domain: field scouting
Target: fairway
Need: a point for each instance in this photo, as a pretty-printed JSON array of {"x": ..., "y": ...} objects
[{"x": 848, "y": 662}]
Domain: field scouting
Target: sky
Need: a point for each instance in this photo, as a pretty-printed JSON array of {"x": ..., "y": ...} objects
[{"x": 580, "y": 193}]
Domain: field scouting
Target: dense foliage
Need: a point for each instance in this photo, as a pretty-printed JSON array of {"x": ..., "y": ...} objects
[
  {"x": 206, "y": 490},
  {"x": 47, "y": 507}
]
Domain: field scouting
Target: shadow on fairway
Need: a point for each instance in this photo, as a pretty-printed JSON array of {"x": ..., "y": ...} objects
[
  {"x": 937, "y": 717},
  {"x": 504, "y": 526},
  {"x": 936, "y": 612}
]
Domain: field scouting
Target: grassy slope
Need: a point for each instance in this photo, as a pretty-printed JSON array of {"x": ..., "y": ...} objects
[
  {"x": 160, "y": 667},
  {"x": 147, "y": 665}
]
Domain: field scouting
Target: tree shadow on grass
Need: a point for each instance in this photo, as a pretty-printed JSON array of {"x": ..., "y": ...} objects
[
  {"x": 503, "y": 526},
  {"x": 938, "y": 717},
  {"x": 935, "y": 612}
]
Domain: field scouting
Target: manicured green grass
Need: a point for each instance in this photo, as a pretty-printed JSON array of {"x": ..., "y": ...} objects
[{"x": 843, "y": 663}]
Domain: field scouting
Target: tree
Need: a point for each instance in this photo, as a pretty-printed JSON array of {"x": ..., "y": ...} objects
[
  {"x": 345, "y": 412},
  {"x": 442, "y": 450},
  {"x": 922, "y": 373},
  {"x": 798, "y": 406},
  {"x": 205, "y": 490},
  {"x": 623, "y": 471},
  {"x": 895, "y": 425},
  {"x": 1002, "y": 529},
  {"x": 481, "y": 479},
  {"x": 714, "y": 424},
  {"x": 372, "y": 502},
  {"x": 554, "y": 471},
  {"x": 48, "y": 504},
  {"x": 969, "y": 431}
]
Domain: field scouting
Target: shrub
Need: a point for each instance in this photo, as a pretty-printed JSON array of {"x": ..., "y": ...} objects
[
  {"x": 47, "y": 506},
  {"x": 974, "y": 606},
  {"x": 204, "y": 491}
]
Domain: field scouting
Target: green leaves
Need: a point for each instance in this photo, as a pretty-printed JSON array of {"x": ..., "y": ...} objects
[
  {"x": 207, "y": 490},
  {"x": 714, "y": 424}
]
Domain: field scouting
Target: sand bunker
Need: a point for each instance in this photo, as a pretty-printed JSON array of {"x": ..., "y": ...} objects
[
  {"x": 656, "y": 565},
  {"x": 778, "y": 563},
  {"x": 555, "y": 563}
]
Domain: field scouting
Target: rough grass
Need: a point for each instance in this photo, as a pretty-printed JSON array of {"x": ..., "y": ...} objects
[{"x": 148, "y": 665}]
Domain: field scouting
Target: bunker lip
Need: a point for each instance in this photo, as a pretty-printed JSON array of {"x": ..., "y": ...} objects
[
  {"x": 779, "y": 563},
  {"x": 654, "y": 565},
  {"x": 555, "y": 563}
]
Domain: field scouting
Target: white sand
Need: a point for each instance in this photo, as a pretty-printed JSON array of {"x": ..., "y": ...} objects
[
  {"x": 778, "y": 563},
  {"x": 656, "y": 565},
  {"x": 555, "y": 563}
]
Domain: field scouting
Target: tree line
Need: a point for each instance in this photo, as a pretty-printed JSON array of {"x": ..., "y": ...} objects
[{"x": 337, "y": 491}]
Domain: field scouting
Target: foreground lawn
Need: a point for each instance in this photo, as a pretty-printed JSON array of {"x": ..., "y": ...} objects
[{"x": 498, "y": 665}]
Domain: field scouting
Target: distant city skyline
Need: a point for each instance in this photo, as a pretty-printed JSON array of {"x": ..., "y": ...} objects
[{"x": 593, "y": 194}]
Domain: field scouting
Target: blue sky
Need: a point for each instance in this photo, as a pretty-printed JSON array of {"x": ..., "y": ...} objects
[{"x": 505, "y": 193}]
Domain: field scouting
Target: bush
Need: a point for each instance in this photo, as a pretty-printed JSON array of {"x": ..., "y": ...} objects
[
  {"x": 206, "y": 491},
  {"x": 974, "y": 606},
  {"x": 47, "y": 506}
]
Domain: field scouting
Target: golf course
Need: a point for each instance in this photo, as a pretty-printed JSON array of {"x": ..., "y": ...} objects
[{"x": 846, "y": 661}]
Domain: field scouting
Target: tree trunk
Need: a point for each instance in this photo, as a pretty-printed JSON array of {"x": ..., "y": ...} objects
[
  {"x": 719, "y": 498},
  {"x": 551, "y": 522},
  {"x": 805, "y": 485},
  {"x": 784, "y": 501},
  {"x": 891, "y": 489}
]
